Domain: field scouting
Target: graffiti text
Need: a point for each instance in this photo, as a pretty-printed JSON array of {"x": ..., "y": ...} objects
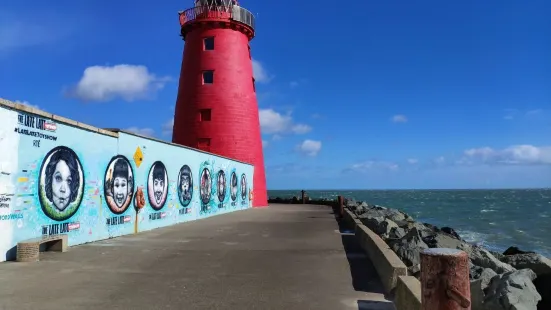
[
  {"x": 61, "y": 228},
  {"x": 5, "y": 200},
  {"x": 36, "y": 122},
  {"x": 184, "y": 211},
  {"x": 117, "y": 220},
  {"x": 12, "y": 216},
  {"x": 157, "y": 215},
  {"x": 35, "y": 134}
]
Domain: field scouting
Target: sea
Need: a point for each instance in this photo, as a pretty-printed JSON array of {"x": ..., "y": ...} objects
[{"x": 496, "y": 219}]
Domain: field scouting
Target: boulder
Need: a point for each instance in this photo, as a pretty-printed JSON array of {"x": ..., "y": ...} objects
[
  {"x": 512, "y": 290},
  {"x": 513, "y": 250},
  {"x": 478, "y": 286},
  {"x": 538, "y": 263},
  {"x": 410, "y": 224},
  {"x": 541, "y": 266},
  {"x": 543, "y": 285},
  {"x": 408, "y": 248},
  {"x": 444, "y": 240},
  {"x": 394, "y": 215},
  {"x": 379, "y": 225},
  {"x": 397, "y": 233},
  {"x": 483, "y": 258},
  {"x": 352, "y": 204},
  {"x": 450, "y": 231}
]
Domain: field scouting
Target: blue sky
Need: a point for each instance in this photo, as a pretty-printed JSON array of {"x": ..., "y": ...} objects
[{"x": 379, "y": 94}]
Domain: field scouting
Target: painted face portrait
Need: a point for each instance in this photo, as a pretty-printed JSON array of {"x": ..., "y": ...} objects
[
  {"x": 119, "y": 184},
  {"x": 157, "y": 185},
  {"x": 61, "y": 183},
  {"x": 221, "y": 185},
  {"x": 243, "y": 187},
  {"x": 206, "y": 186},
  {"x": 185, "y": 185},
  {"x": 233, "y": 186}
]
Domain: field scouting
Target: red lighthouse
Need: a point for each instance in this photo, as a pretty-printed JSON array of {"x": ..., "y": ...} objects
[{"x": 216, "y": 108}]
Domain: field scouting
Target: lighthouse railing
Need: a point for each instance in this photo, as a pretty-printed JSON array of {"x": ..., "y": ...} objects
[{"x": 235, "y": 12}]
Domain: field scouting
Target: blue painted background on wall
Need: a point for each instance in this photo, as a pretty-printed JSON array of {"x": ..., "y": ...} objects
[
  {"x": 60, "y": 179},
  {"x": 167, "y": 211}
]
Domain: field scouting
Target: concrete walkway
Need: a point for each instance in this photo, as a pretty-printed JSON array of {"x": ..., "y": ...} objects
[{"x": 281, "y": 257}]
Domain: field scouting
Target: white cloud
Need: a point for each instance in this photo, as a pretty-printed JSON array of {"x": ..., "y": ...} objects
[
  {"x": 514, "y": 155},
  {"x": 276, "y": 137},
  {"x": 372, "y": 164},
  {"x": 272, "y": 122},
  {"x": 259, "y": 72},
  {"x": 310, "y": 147},
  {"x": 510, "y": 114},
  {"x": 27, "y": 104},
  {"x": 129, "y": 82},
  {"x": 264, "y": 143},
  {"x": 399, "y": 118},
  {"x": 301, "y": 129},
  {"x": 148, "y": 132},
  {"x": 293, "y": 84},
  {"x": 412, "y": 161},
  {"x": 167, "y": 127}
]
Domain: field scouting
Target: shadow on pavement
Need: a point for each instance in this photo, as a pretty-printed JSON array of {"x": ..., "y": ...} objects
[
  {"x": 364, "y": 275},
  {"x": 374, "y": 305}
]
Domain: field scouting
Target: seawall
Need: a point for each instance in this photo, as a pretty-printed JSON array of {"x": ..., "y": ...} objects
[{"x": 59, "y": 176}]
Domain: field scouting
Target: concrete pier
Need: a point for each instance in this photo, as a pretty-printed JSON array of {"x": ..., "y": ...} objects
[{"x": 281, "y": 257}]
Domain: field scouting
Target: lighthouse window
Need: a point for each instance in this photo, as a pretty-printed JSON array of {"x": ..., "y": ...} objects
[
  {"x": 254, "y": 86},
  {"x": 204, "y": 115},
  {"x": 209, "y": 43},
  {"x": 208, "y": 77},
  {"x": 203, "y": 144}
]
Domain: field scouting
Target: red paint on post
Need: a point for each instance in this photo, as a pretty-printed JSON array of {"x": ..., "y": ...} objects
[
  {"x": 234, "y": 128},
  {"x": 445, "y": 280}
]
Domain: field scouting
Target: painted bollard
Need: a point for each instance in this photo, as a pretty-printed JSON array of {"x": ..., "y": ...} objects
[
  {"x": 341, "y": 206},
  {"x": 445, "y": 279}
]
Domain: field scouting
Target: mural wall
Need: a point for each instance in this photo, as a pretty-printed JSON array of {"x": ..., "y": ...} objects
[{"x": 60, "y": 179}]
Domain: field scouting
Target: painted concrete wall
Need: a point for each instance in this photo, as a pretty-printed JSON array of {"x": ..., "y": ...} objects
[{"x": 61, "y": 177}]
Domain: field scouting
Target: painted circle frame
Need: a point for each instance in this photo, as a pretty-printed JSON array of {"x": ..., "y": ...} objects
[
  {"x": 179, "y": 190},
  {"x": 45, "y": 204},
  {"x": 234, "y": 175},
  {"x": 205, "y": 201},
  {"x": 159, "y": 208},
  {"x": 113, "y": 159}
]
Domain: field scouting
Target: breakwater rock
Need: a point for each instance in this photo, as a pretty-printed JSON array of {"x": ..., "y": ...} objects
[{"x": 514, "y": 279}]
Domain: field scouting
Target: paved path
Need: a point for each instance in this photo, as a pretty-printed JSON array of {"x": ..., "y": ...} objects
[{"x": 281, "y": 257}]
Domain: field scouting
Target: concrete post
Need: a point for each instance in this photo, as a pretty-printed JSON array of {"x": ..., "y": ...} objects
[
  {"x": 303, "y": 197},
  {"x": 445, "y": 280}
]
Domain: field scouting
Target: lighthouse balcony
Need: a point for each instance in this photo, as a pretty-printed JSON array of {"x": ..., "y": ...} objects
[{"x": 217, "y": 13}]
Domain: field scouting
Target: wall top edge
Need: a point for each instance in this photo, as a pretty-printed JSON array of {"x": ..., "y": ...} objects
[
  {"x": 24, "y": 108},
  {"x": 113, "y": 132},
  {"x": 117, "y": 130}
]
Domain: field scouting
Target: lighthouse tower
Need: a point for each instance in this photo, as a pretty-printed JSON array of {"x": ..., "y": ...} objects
[{"x": 216, "y": 109}]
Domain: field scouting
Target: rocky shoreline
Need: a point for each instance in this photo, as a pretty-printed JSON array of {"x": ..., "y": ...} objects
[{"x": 514, "y": 279}]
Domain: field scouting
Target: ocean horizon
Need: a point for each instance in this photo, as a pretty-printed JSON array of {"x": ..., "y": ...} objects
[{"x": 494, "y": 218}]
